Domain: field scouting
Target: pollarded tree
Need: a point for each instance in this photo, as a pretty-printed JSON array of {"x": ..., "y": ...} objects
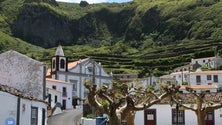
[
  {"x": 201, "y": 103},
  {"x": 121, "y": 101}
]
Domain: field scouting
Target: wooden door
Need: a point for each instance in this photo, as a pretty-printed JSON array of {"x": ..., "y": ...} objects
[
  {"x": 150, "y": 117},
  {"x": 209, "y": 119}
]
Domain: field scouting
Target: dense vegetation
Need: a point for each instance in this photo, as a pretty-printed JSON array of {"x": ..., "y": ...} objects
[{"x": 133, "y": 37}]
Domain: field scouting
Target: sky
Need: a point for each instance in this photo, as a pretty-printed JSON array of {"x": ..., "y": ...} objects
[{"x": 94, "y": 1}]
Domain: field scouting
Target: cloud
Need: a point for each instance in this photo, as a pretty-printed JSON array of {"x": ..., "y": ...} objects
[{"x": 78, "y": 1}]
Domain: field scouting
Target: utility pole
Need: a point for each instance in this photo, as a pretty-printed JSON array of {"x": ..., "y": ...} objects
[
  {"x": 94, "y": 74},
  {"x": 94, "y": 83},
  {"x": 150, "y": 77}
]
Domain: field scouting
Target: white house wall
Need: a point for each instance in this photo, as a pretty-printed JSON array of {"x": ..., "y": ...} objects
[
  {"x": 164, "y": 116},
  {"x": 190, "y": 118},
  {"x": 8, "y": 107},
  {"x": 59, "y": 87},
  {"x": 204, "y": 80},
  {"x": 53, "y": 94},
  {"x": 25, "y": 111},
  {"x": 218, "y": 117}
]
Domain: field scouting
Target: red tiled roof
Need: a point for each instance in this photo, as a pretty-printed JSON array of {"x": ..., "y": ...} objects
[
  {"x": 199, "y": 87},
  {"x": 54, "y": 90},
  {"x": 73, "y": 64},
  {"x": 184, "y": 72},
  {"x": 48, "y": 72},
  {"x": 55, "y": 80},
  {"x": 207, "y": 72}
]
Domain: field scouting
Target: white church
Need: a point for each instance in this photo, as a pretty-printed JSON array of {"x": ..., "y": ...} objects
[{"x": 76, "y": 73}]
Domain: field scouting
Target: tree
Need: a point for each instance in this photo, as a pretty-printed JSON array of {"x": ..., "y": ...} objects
[
  {"x": 121, "y": 102},
  {"x": 205, "y": 103},
  {"x": 83, "y": 3}
]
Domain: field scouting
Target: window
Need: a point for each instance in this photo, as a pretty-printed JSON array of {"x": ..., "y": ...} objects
[
  {"x": 62, "y": 63},
  {"x": 53, "y": 64},
  {"x": 74, "y": 84},
  {"x": 215, "y": 78},
  {"x": 198, "y": 79},
  {"x": 178, "y": 116},
  {"x": 56, "y": 98},
  {"x": 49, "y": 98},
  {"x": 207, "y": 91},
  {"x": 181, "y": 92},
  {"x": 34, "y": 116},
  {"x": 53, "y": 87},
  {"x": 90, "y": 69},
  {"x": 209, "y": 116},
  {"x": 74, "y": 87},
  {"x": 43, "y": 116},
  {"x": 64, "y": 92},
  {"x": 208, "y": 77}
]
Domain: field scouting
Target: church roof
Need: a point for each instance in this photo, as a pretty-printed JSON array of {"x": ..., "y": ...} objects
[
  {"x": 59, "y": 51},
  {"x": 73, "y": 64}
]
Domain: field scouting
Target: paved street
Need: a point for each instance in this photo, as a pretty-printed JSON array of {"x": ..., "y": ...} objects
[{"x": 69, "y": 117}]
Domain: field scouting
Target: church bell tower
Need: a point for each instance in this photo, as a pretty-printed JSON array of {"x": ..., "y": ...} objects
[{"x": 59, "y": 62}]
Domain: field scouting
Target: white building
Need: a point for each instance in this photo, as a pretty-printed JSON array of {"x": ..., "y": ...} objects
[
  {"x": 19, "y": 109},
  {"x": 213, "y": 77},
  {"x": 28, "y": 76},
  {"x": 167, "y": 79},
  {"x": 206, "y": 77},
  {"x": 209, "y": 81},
  {"x": 62, "y": 88},
  {"x": 211, "y": 62},
  {"x": 77, "y": 73},
  {"x": 165, "y": 114},
  {"x": 54, "y": 96},
  {"x": 23, "y": 73},
  {"x": 181, "y": 76}
]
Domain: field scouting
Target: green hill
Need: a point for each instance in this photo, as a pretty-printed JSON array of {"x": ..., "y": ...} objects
[{"x": 129, "y": 37}]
